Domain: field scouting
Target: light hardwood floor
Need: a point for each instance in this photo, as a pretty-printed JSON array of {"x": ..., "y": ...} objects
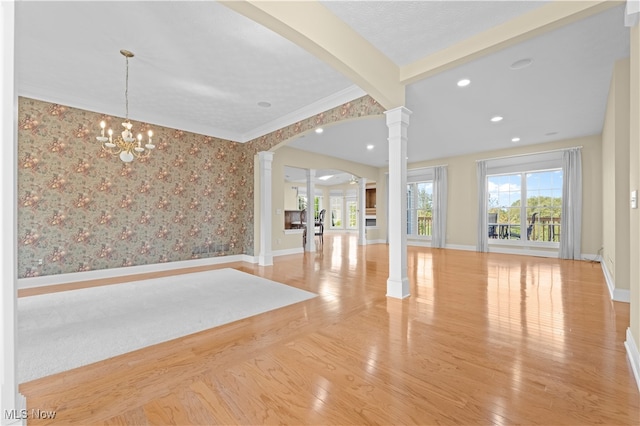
[{"x": 483, "y": 339}]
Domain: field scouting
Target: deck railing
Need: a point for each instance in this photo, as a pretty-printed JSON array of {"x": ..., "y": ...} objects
[
  {"x": 543, "y": 229},
  {"x": 424, "y": 226}
]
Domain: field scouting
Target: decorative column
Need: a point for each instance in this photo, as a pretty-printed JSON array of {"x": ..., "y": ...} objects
[
  {"x": 311, "y": 221},
  {"x": 398, "y": 282},
  {"x": 265, "y": 258},
  {"x": 362, "y": 211}
]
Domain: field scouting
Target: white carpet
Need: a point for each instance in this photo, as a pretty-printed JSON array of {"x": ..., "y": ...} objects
[{"x": 61, "y": 331}]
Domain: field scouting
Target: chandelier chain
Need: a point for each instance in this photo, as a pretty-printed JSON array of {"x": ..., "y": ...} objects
[{"x": 126, "y": 89}]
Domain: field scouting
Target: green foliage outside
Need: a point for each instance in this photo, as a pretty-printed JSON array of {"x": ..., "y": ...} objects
[
  {"x": 546, "y": 207},
  {"x": 423, "y": 206},
  {"x": 335, "y": 219},
  {"x": 547, "y": 225},
  {"x": 353, "y": 215}
]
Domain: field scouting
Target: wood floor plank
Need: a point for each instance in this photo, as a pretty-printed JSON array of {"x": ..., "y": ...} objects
[
  {"x": 214, "y": 402},
  {"x": 484, "y": 338},
  {"x": 134, "y": 417},
  {"x": 167, "y": 410}
]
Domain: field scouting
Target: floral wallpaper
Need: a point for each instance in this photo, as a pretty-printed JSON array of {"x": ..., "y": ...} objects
[
  {"x": 361, "y": 107},
  {"x": 81, "y": 209}
]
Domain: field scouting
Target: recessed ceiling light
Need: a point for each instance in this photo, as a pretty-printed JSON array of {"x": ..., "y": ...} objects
[
  {"x": 521, "y": 63},
  {"x": 515, "y": 139},
  {"x": 369, "y": 147},
  {"x": 496, "y": 118},
  {"x": 319, "y": 130},
  {"x": 464, "y": 82},
  {"x": 264, "y": 104}
]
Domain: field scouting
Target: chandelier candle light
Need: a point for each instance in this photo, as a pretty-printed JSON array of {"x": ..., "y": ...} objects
[{"x": 125, "y": 145}]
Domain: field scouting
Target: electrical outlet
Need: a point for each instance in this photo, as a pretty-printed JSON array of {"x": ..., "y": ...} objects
[{"x": 40, "y": 262}]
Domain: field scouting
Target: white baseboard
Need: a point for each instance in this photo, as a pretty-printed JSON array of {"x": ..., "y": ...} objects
[
  {"x": 14, "y": 416},
  {"x": 617, "y": 294},
  {"x": 419, "y": 243},
  {"x": 376, "y": 242},
  {"x": 129, "y": 270},
  {"x": 286, "y": 252},
  {"x": 522, "y": 252},
  {"x": 460, "y": 247},
  {"x": 634, "y": 356},
  {"x": 591, "y": 257}
]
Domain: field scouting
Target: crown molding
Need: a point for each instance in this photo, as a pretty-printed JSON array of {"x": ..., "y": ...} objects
[
  {"x": 347, "y": 95},
  {"x": 51, "y": 96}
]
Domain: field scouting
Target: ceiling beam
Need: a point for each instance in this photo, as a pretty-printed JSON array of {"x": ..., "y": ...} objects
[
  {"x": 313, "y": 27},
  {"x": 543, "y": 19}
]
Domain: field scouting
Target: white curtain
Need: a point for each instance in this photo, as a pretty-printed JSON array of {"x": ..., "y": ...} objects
[
  {"x": 439, "y": 231},
  {"x": 483, "y": 228},
  {"x": 571, "y": 220}
]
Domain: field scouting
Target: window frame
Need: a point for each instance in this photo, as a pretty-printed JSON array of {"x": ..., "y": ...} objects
[
  {"x": 340, "y": 199},
  {"x": 348, "y": 199},
  {"x": 414, "y": 177},
  {"x": 522, "y": 170},
  {"x": 317, "y": 201},
  {"x": 413, "y": 206}
]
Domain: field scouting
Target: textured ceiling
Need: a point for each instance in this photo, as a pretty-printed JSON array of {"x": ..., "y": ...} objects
[
  {"x": 406, "y": 31},
  {"x": 199, "y": 66},
  {"x": 202, "y": 67}
]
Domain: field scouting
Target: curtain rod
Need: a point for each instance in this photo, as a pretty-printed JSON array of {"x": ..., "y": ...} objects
[{"x": 531, "y": 153}]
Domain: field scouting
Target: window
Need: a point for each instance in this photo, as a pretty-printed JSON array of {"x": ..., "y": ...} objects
[
  {"x": 525, "y": 206},
  {"x": 352, "y": 213},
  {"x": 302, "y": 202},
  {"x": 336, "y": 212},
  {"x": 317, "y": 204},
  {"x": 544, "y": 205},
  {"x": 419, "y": 209},
  {"x": 343, "y": 209}
]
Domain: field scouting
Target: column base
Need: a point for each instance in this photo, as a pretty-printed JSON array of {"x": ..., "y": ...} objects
[
  {"x": 398, "y": 289},
  {"x": 266, "y": 260}
]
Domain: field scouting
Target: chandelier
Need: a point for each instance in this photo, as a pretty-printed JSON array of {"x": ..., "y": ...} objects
[{"x": 125, "y": 145}]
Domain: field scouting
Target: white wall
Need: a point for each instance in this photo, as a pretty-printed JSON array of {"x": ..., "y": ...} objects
[{"x": 10, "y": 399}]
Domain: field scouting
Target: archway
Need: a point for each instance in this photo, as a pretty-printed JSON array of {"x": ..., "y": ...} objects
[{"x": 335, "y": 180}]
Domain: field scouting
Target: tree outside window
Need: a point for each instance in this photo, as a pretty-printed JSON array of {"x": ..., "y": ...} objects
[
  {"x": 525, "y": 206},
  {"x": 419, "y": 209}
]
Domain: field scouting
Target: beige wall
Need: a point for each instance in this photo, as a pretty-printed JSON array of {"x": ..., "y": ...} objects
[
  {"x": 463, "y": 198},
  {"x": 290, "y": 195},
  {"x": 634, "y": 181},
  {"x": 286, "y": 156},
  {"x": 609, "y": 180},
  {"x": 615, "y": 178}
]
